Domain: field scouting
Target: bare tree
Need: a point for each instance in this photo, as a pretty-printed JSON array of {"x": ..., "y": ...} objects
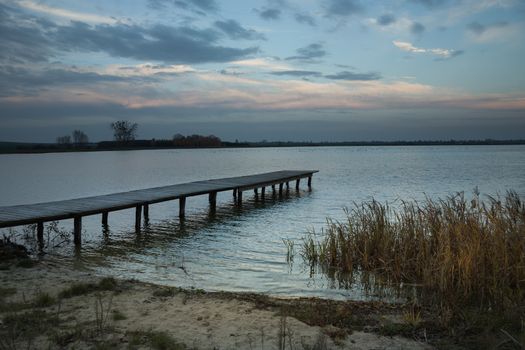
[
  {"x": 64, "y": 140},
  {"x": 124, "y": 130},
  {"x": 79, "y": 137}
]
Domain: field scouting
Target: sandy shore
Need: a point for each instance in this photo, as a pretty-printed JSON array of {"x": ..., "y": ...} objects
[{"x": 138, "y": 315}]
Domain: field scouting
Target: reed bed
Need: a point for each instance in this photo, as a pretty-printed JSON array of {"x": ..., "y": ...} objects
[{"x": 459, "y": 251}]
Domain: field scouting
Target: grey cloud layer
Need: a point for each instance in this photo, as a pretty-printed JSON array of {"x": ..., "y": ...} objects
[
  {"x": 343, "y": 7},
  {"x": 478, "y": 28},
  {"x": 21, "y": 81},
  {"x": 200, "y": 6},
  {"x": 309, "y": 52},
  {"x": 344, "y": 75},
  {"x": 234, "y": 30},
  {"x": 40, "y": 40},
  {"x": 347, "y": 75},
  {"x": 417, "y": 28},
  {"x": 386, "y": 19},
  {"x": 269, "y": 13}
]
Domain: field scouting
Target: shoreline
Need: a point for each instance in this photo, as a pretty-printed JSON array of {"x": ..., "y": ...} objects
[{"x": 138, "y": 314}]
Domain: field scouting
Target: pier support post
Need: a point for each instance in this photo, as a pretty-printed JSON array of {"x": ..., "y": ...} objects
[
  {"x": 287, "y": 186},
  {"x": 239, "y": 197},
  {"x": 273, "y": 190},
  {"x": 182, "y": 207},
  {"x": 256, "y": 192},
  {"x": 213, "y": 201},
  {"x": 263, "y": 189},
  {"x": 234, "y": 193},
  {"x": 146, "y": 213},
  {"x": 40, "y": 234},
  {"x": 105, "y": 218},
  {"x": 297, "y": 184},
  {"x": 309, "y": 182},
  {"x": 138, "y": 218},
  {"x": 281, "y": 189},
  {"x": 77, "y": 230}
]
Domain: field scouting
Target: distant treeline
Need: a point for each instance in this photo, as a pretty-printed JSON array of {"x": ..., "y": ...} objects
[
  {"x": 199, "y": 141},
  {"x": 373, "y": 143}
]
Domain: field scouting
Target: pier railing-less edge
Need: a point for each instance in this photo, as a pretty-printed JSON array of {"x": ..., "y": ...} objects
[{"x": 141, "y": 199}]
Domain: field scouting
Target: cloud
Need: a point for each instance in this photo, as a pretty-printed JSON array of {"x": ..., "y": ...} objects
[
  {"x": 297, "y": 73},
  {"x": 24, "y": 82},
  {"x": 386, "y": 20},
  {"x": 441, "y": 53},
  {"x": 23, "y": 37},
  {"x": 309, "y": 52},
  {"x": 430, "y": 3},
  {"x": 158, "y": 43},
  {"x": 343, "y": 7},
  {"x": 304, "y": 18},
  {"x": 269, "y": 13},
  {"x": 493, "y": 31},
  {"x": 234, "y": 30},
  {"x": 71, "y": 15},
  {"x": 30, "y": 39},
  {"x": 417, "y": 28},
  {"x": 199, "y": 6},
  {"x": 347, "y": 75}
]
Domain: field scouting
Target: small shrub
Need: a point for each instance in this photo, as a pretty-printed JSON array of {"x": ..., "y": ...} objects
[
  {"x": 118, "y": 315},
  {"x": 43, "y": 300},
  {"x": 26, "y": 263}
]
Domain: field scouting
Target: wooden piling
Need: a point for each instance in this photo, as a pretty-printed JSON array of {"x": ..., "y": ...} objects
[
  {"x": 297, "y": 184},
  {"x": 263, "y": 189},
  {"x": 309, "y": 182},
  {"x": 105, "y": 218},
  {"x": 213, "y": 200},
  {"x": 77, "y": 230},
  {"x": 40, "y": 234},
  {"x": 256, "y": 192},
  {"x": 239, "y": 197},
  {"x": 138, "y": 217},
  {"x": 145, "y": 209},
  {"x": 281, "y": 189},
  {"x": 182, "y": 207}
]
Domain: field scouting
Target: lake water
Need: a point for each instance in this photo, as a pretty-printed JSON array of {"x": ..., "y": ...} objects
[{"x": 242, "y": 249}]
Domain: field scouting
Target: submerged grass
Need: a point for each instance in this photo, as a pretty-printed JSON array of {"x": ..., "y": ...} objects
[{"x": 461, "y": 252}]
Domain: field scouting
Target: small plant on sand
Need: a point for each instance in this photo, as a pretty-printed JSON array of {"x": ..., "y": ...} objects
[
  {"x": 117, "y": 315},
  {"x": 43, "y": 299},
  {"x": 105, "y": 284},
  {"x": 156, "y": 340},
  {"x": 102, "y": 312}
]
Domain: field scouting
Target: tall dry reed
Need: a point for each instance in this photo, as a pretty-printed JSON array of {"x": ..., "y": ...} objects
[{"x": 465, "y": 252}]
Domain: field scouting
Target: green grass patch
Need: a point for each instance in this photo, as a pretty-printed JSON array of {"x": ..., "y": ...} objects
[
  {"x": 105, "y": 284},
  {"x": 43, "y": 300},
  {"x": 26, "y": 263},
  {"x": 156, "y": 340},
  {"x": 5, "y": 292},
  {"x": 165, "y": 292},
  {"x": 117, "y": 315}
]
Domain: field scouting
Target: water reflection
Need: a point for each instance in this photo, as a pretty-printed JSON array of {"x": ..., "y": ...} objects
[{"x": 240, "y": 248}]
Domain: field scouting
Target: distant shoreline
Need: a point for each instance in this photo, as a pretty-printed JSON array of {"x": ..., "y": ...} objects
[{"x": 24, "y": 148}]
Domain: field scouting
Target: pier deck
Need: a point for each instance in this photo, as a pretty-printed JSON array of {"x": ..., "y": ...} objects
[{"x": 140, "y": 199}]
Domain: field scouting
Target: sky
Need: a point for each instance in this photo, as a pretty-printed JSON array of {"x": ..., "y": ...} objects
[{"x": 292, "y": 70}]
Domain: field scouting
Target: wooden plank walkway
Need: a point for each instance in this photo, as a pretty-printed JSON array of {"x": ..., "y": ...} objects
[{"x": 140, "y": 200}]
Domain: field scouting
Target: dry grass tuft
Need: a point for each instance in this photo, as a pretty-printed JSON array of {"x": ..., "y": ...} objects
[{"x": 461, "y": 252}]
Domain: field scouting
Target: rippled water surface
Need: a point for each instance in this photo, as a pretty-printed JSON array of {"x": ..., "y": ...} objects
[{"x": 242, "y": 249}]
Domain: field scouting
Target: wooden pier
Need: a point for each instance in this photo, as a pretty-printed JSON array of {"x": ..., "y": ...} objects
[{"x": 141, "y": 199}]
